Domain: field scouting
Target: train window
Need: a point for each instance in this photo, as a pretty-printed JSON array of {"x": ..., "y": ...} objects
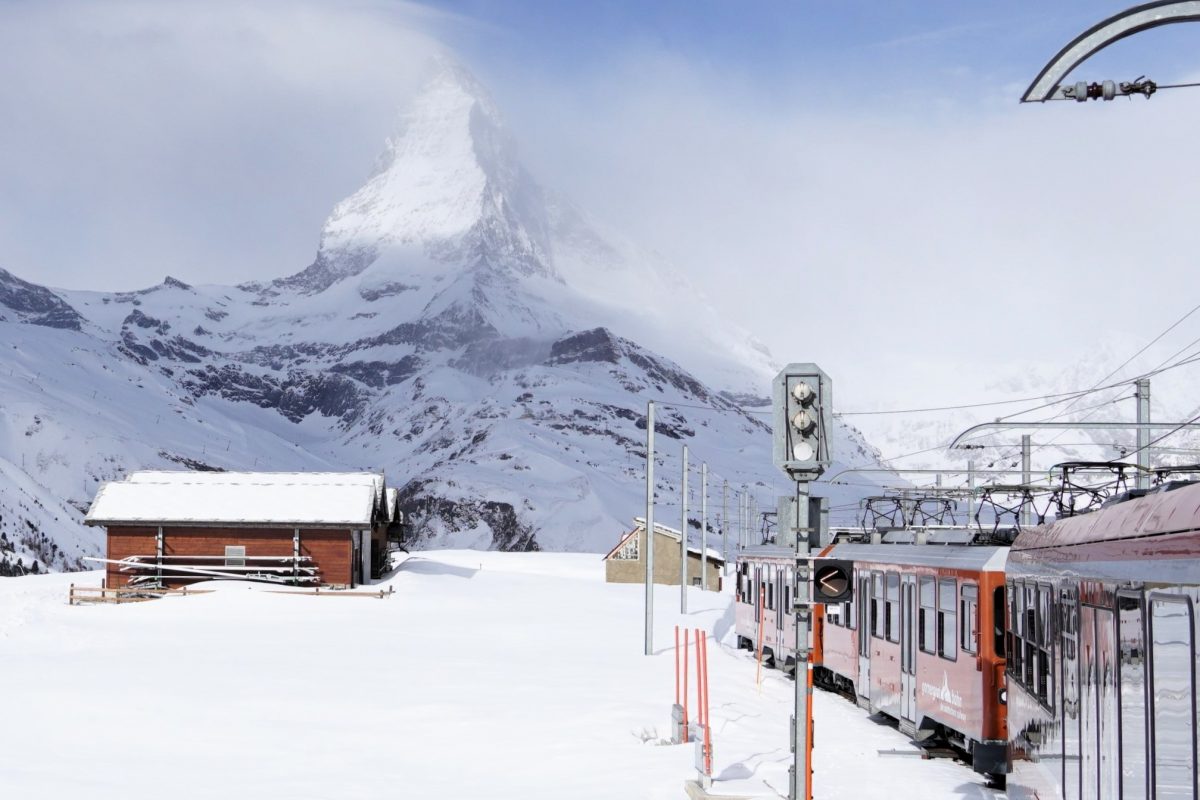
[
  {"x": 968, "y": 618},
  {"x": 1013, "y": 650},
  {"x": 877, "y": 605},
  {"x": 770, "y": 599},
  {"x": 1172, "y": 656},
  {"x": 927, "y": 634},
  {"x": 998, "y": 620},
  {"x": 1042, "y": 648},
  {"x": 892, "y": 607},
  {"x": 948, "y": 618},
  {"x": 1132, "y": 682},
  {"x": 852, "y": 609}
]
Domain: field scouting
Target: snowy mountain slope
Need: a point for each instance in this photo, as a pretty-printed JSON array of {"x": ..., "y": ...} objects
[
  {"x": 1036, "y": 388},
  {"x": 460, "y": 328}
]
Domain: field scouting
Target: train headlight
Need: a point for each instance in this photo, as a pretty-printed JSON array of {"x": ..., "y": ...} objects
[{"x": 1004, "y": 697}]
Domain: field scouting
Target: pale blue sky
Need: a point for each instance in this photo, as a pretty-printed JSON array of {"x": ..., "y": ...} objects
[{"x": 855, "y": 164}]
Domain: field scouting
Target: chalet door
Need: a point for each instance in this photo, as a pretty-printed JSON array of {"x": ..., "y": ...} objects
[
  {"x": 908, "y": 647},
  {"x": 864, "y": 635},
  {"x": 356, "y": 564}
]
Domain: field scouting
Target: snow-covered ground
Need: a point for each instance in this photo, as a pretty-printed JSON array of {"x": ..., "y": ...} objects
[{"x": 486, "y": 674}]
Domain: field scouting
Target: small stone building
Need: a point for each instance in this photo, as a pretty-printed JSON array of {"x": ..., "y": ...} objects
[
  {"x": 169, "y": 528},
  {"x": 624, "y": 563}
]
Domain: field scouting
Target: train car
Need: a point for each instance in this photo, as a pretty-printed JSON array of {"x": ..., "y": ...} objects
[
  {"x": 1102, "y": 651},
  {"x": 763, "y": 601},
  {"x": 923, "y": 642}
]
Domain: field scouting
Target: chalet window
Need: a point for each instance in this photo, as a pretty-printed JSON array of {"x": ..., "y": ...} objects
[
  {"x": 892, "y": 607},
  {"x": 695, "y": 581},
  {"x": 968, "y": 618},
  {"x": 630, "y": 551},
  {"x": 235, "y": 555},
  {"x": 948, "y": 618},
  {"x": 928, "y": 616}
]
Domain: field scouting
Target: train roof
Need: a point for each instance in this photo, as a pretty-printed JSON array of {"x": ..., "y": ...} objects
[
  {"x": 975, "y": 557},
  {"x": 1172, "y": 508}
]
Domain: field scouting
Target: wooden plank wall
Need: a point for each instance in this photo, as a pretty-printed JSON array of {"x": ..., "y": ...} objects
[{"x": 331, "y": 550}]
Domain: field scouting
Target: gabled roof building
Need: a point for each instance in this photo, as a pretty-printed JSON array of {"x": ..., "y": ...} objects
[{"x": 168, "y": 528}]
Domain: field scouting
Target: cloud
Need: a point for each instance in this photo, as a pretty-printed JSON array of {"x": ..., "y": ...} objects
[
  {"x": 918, "y": 247},
  {"x": 207, "y": 140}
]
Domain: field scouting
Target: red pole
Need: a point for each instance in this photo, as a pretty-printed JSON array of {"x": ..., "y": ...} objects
[
  {"x": 700, "y": 681},
  {"x": 809, "y": 738},
  {"x": 685, "y": 679}
]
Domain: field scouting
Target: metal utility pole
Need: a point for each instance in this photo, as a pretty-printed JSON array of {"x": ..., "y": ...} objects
[
  {"x": 1142, "y": 393},
  {"x": 704, "y": 526},
  {"x": 802, "y": 711},
  {"x": 1026, "y": 477},
  {"x": 742, "y": 519},
  {"x": 970, "y": 490},
  {"x": 683, "y": 537},
  {"x": 724, "y": 524},
  {"x": 650, "y": 528}
]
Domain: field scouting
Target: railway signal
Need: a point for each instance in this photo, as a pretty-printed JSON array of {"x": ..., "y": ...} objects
[
  {"x": 833, "y": 581},
  {"x": 803, "y": 414},
  {"x": 803, "y": 396}
]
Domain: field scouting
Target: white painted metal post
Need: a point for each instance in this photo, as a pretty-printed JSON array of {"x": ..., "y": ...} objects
[
  {"x": 1142, "y": 394},
  {"x": 704, "y": 526},
  {"x": 159, "y": 550},
  {"x": 683, "y": 536},
  {"x": 649, "y": 527},
  {"x": 1026, "y": 477},
  {"x": 724, "y": 523}
]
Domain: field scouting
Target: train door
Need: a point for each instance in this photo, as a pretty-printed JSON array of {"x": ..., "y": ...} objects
[
  {"x": 1070, "y": 693},
  {"x": 864, "y": 635},
  {"x": 1099, "y": 757},
  {"x": 781, "y": 613},
  {"x": 908, "y": 647},
  {"x": 1109, "y": 743},
  {"x": 1089, "y": 733}
]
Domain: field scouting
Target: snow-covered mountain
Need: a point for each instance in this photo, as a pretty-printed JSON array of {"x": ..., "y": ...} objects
[
  {"x": 1039, "y": 391},
  {"x": 475, "y": 336}
]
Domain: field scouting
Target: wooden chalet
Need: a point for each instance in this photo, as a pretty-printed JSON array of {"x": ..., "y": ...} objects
[
  {"x": 167, "y": 528},
  {"x": 625, "y": 563}
]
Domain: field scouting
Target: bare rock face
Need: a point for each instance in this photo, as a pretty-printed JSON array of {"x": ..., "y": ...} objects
[{"x": 27, "y": 302}]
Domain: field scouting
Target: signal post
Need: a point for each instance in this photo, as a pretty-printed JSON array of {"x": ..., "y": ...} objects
[{"x": 803, "y": 406}]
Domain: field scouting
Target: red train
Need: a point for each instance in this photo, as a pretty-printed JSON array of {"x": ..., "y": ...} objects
[
  {"x": 922, "y": 641},
  {"x": 1102, "y": 634},
  {"x": 1067, "y": 663}
]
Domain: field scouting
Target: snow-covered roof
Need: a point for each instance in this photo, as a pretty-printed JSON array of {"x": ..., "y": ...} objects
[
  {"x": 373, "y": 479},
  {"x": 238, "y": 498},
  {"x": 639, "y": 524},
  {"x": 392, "y": 504}
]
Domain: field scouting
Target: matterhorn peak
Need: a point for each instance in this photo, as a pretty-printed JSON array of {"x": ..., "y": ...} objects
[{"x": 448, "y": 188}]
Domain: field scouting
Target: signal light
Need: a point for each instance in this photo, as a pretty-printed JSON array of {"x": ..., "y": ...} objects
[
  {"x": 833, "y": 581},
  {"x": 803, "y": 397}
]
